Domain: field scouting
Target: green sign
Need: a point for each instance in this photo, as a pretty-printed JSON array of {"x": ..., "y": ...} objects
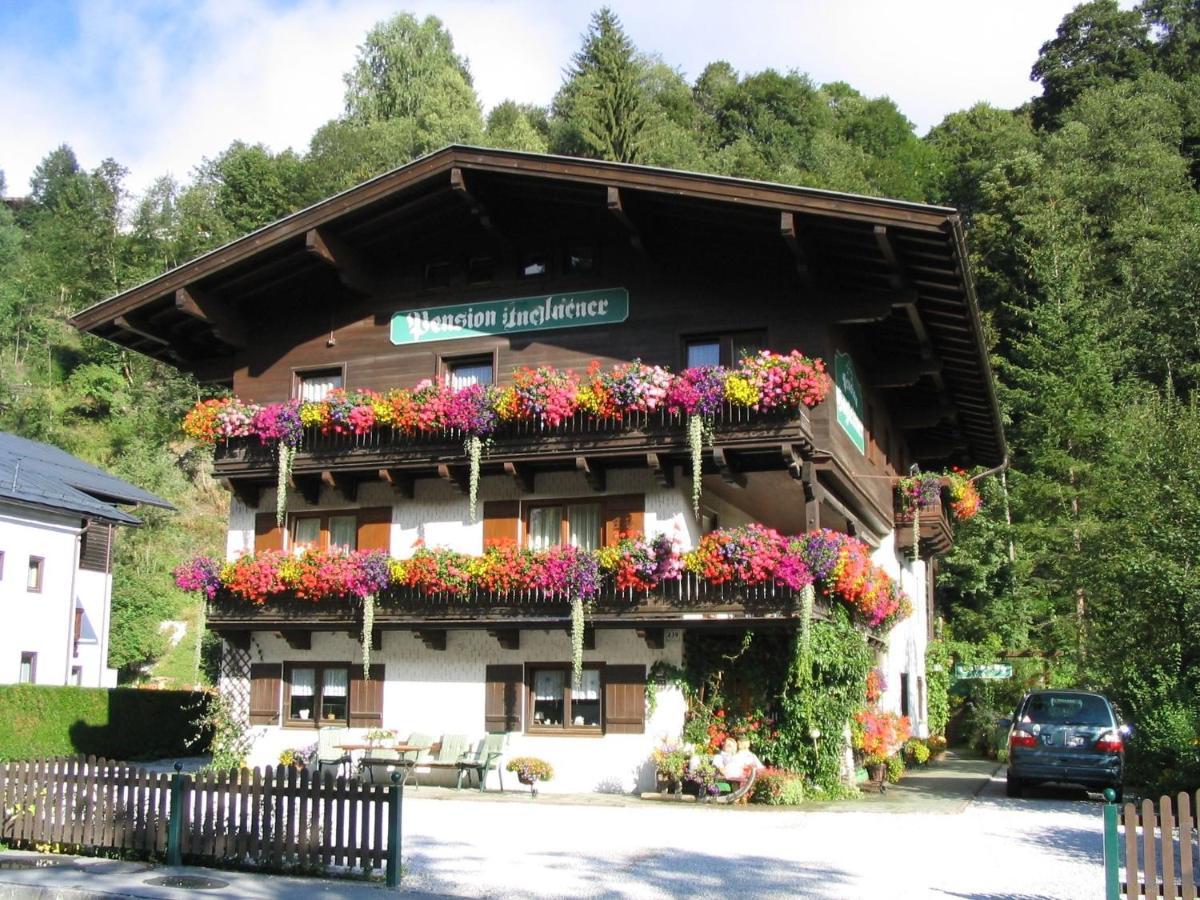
[
  {"x": 988, "y": 671},
  {"x": 848, "y": 400},
  {"x": 540, "y": 313}
]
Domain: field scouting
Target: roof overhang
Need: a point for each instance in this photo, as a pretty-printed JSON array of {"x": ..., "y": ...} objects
[{"x": 899, "y": 270}]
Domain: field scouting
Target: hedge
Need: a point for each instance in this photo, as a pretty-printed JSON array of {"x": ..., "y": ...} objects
[{"x": 116, "y": 723}]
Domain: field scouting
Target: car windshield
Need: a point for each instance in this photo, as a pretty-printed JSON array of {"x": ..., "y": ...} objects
[{"x": 1066, "y": 709}]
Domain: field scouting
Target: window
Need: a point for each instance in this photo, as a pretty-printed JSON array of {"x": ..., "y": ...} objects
[
  {"x": 324, "y": 531},
  {"x": 78, "y": 630},
  {"x": 481, "y": 269},
  {"x": 33, "y": 580},
  {"x": 314, "y": 385},
  {"x": 581, "y": 258},
  {"x": 316, "y": 693},
  {"x": 556, "y": 704},
  {"x": 577, "y": 524},
  {"x": 464, "y": 371},
  {"x": 28, "y": 673},
  {"x": 535, "y": 265},
  {"x": 722, "y": 349},
  {"x": 709, "y": 520},
  {"x": 437, "y": 274}
]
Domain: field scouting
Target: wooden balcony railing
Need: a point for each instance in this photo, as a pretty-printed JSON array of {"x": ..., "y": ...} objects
[
  {"x": 935, "y": 529},
  {"x": 754, "y": 436}
]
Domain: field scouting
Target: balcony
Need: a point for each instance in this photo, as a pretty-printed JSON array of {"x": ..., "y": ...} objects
[
  {"x": 689, "y": 602},
  {"x": 935, "y": 530},
  {"x": 743, "y": 440}
]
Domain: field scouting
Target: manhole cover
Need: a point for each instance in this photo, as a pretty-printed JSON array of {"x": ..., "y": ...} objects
[
  {"x": 34, "y": 862},
  {"x": 188, "y": 882}
]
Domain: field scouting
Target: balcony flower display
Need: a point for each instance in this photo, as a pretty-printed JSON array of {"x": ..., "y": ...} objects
[
  {"x": 922, "y": 492},
  {"x": 836, "y": 565},
  {"x": 764, "y": 382},
  {"x": 879, "y": 735}
]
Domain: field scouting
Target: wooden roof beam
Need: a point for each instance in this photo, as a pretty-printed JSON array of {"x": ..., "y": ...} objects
[
  {"x": 141, "y": 328},
  {"x": 800, "y": 247},
  {"x": 455, "y": 476},
  {"x": 401, "y": 482},
  {"x": 342, "y": 482},
  {"x": 458, "y": 186},
  {"x": 727, "y": 466},
  {"x": 225, "y": 322},
  {"x": 664, "y": 472},
  {"x": 592, "y": 472},
  {"x": 245, "y": 491},
  {"x": 523, "y": 475},
  {"x": 869, "y": 308},
  {"x": 326, "y": 247},
  {"x": 902, "y": 374},
  {"x": 912, "y": 418},
  {"x": 616, "y": 206},
  {"x": 307, "y": 486}
]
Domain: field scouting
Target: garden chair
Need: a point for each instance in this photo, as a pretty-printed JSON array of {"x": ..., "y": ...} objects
[
  {"x": 452, "y": 748},
  {"x": 380, "y": 761},
  {"x": 329, "y": 757},
  {"x": 481, "y": 760},
  {"x": 412, "y": 758}
]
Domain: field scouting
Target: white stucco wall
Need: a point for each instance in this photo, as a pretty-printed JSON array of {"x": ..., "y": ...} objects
[
  {"x": 904, "y": 658},
  {"x": 439, "y": 692}
]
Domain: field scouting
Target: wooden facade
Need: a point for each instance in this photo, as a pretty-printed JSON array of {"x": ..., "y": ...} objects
[{"x": 885, "y": 282}]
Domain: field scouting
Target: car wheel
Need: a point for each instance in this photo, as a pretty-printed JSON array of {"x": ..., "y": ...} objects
[{"x": 1013, "y": 786}]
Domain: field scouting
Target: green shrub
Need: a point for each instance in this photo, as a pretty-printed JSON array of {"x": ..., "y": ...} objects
[
  {"x": 778, "y": 787},
  {"x": 116, "y": 723},
  {"x": 895, "y": 768},
  {"x": 916, "y": 751}
]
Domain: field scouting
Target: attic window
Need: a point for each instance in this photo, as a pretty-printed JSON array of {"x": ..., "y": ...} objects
[
  {"x": 536, "y": 265},
  {"x": 437, "y": 274},
  {"x": 581, "y": 258}
]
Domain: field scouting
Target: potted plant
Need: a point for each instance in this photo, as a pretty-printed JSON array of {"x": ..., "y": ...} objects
[
  {"x": 530, "y": 770},
  {"x": 377, "y": 737},
  {"x": 671, "y": 760},
  {"x": 298, "y": 757}
]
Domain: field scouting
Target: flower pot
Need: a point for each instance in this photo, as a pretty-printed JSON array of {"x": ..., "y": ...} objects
[
  {"x": 531, "y": 782},
  {"x": 877, "y": 773}
]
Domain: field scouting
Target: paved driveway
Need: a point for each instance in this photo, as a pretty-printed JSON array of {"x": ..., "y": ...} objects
[{"x": 928, "y": 842}]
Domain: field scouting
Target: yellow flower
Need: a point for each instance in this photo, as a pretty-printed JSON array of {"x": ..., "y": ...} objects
[
  {"x": 396, "y": 570},
  {"x": 739, "y": 391},
  {"x": 313, "y": 414}
]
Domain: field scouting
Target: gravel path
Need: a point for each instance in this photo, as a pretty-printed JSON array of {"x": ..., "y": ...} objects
[{"x": 1047, "y": 846}]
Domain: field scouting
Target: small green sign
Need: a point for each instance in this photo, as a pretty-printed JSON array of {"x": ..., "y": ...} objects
[
  {"x": 987, "y": 671},
  {"x": 848, "y": 400},
  {"x": 543, "y": 312}
]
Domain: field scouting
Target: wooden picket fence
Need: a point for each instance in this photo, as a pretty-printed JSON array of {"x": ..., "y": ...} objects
[
  {"x": 1157, "y": 849},
  {"x": 276, "y": 818}
]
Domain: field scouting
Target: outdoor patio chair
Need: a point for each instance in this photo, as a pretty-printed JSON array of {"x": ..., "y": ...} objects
[
  {"x": 412, "y": 758},
  {"x": 329, "y": 757},
  {"x": 377, "y": 765},
  {"x": 481, "y": 760},
  {"x": 450, "y": 751}
]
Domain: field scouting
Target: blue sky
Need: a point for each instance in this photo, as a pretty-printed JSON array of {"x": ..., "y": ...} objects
[{"x": 160, "y": 85}]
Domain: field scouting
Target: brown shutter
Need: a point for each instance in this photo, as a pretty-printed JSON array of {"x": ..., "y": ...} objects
[
  {"x": 625, "y": 699},
  {"x": 266, "y": 682},
  {"x": 93, "y": 547},
  {"x": 501, "y": 522},
  {"x": 375, "y": 528},
  {"x": 366, "y": 698},
  {"x": 503, "y": 698},
  {"x": 267, "y": 535},
  {"x": 624, "y": 514}
]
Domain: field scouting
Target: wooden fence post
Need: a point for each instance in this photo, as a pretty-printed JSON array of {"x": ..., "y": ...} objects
[
  {"x": 175, "y": 828},
  {"x": 1112, "y": 878},
  {"x": 395, "y": 801}
]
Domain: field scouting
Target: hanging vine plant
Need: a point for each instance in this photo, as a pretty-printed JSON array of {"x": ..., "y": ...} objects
[
  {"x": 698, "y": 393},
  {"x": 472, "y": 411},
  {"x": 281, "y": 424},
  {"x": 367, "y": 629},
  {"x": 578, "y": 623}
]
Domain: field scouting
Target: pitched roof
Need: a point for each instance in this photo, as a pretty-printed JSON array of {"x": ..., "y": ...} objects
[{"x": 33, "y": 473}]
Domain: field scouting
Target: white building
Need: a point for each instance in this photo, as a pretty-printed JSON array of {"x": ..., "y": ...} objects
[{"x": 58, "y": 518}]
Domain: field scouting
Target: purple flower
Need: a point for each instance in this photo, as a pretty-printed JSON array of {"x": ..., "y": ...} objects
[
  {"x": 700, "y": 390},
  {"x": 200, "y": 574},
  {"x": 279, "y": 422},
  {"x": 372, "y": 573},
  {"x": 819, "y": 550},
  {"x": 471, "y": 410}
]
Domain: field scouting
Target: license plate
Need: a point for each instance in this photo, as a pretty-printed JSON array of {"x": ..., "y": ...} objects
[{"x": 1076, "y": 740}]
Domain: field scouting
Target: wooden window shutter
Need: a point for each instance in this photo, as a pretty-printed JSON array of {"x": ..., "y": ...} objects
[
  {"x": 501, "y": 522},
  {"x": 625, "y": 699},
  {"x": 624, "y": 514},
  {"x": 504, "y": 696},
  {"x": 266, "y": 683},
  {"x": 267, "y": 535},
  {"x": 366, "y": 698},
  {"x": 94, "y": 547},
  {"x": 375, "y": 528}
]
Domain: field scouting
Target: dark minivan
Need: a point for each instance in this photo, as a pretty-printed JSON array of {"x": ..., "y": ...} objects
[{"x": 1068, "y": 737}]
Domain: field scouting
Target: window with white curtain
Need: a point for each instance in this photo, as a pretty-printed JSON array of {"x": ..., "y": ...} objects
[
  {"x": 314, "y": 386},
  {"x": 703, "y": 353},
  {"x": 461, "y": 373},
  {"x": 303, "y": 694},
  {"x": 306, "y": 533},
  {"x": 577, "y": 524},
  {"x": 343, "y": 532},
  {"x": 333, "y": 693},
  {"x": 561, "y": 705}
]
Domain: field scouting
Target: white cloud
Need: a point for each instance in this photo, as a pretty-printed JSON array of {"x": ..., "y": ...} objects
[{"x": 158, "y": 91}]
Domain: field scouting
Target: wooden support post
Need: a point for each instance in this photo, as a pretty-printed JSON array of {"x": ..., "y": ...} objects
[
  {"x": 326, "y": 247},
  {"x": 247, "y": 492},
  {"x": 433, "y": 638},
  {"x": 655, "y": 638},
  {"x": 508, "y": 638},
  {"x": 225, "y": 322},
  {"x": 307, "y": 486},
  {"x": 456, "y": 476},
  {"x": 297, "y": 640},
  {"x": 790, "y": 232},
  {"x": 342, "y": 482},
  {"x": 664, "y": 472},
  {"x": 458, "y": 185},
  {"x": 616, "y": 206},
  {"x": 727, "y": 467}
]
